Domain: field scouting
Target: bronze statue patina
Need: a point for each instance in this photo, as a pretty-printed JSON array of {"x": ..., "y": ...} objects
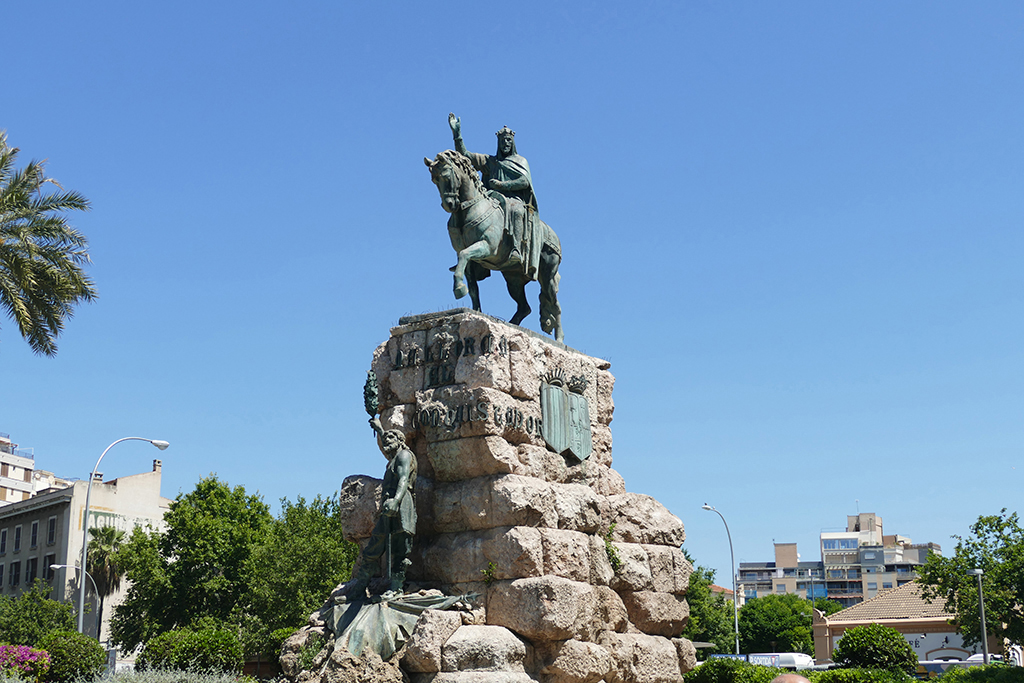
[
  {"x": 494, "y": 226},
  {"x": 396, "y": 524}
]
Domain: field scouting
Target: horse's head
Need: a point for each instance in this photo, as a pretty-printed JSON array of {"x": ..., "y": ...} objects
[{"x": 445, "y": 175}]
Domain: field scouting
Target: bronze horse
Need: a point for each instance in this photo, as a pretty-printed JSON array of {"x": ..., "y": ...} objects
[{"x": 490, "y": 232}]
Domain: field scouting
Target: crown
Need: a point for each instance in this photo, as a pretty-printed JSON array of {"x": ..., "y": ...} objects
[
  {"x": 555, "y": 378},
  {"x": 577, "y": 384},
  {"x": 506, "y": 131}
]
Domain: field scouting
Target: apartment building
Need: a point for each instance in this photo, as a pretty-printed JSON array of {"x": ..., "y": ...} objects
[
  {"x": 857, "y": 563},
  {"x": 46, "y": 529}
]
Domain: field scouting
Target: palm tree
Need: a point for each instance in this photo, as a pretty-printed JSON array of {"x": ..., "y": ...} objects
[
  {"x": 41, "y": 256},
  {"x": 104, "y": 542}
]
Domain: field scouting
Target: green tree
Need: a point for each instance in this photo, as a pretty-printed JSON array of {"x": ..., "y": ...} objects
[
  {"x": 104, "y": 542},
  {"x": 874, "y": 647},
  {"x": 41, "y": 256},
  {"x": 298, "y": 562},
  {"x": 996, "y": 546},
  {"x": 25, "y": 619},
  {"x": 196, "y": 568},
  {"x": 776, "y": 623},
  {"x": 73, "y": 656},
  {"x": 711, "y": 615}
]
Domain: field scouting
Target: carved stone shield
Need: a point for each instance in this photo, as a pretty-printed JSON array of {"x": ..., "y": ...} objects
[
  {"x": 554, "y": 408},
  {"x": 580, "y": 442}
]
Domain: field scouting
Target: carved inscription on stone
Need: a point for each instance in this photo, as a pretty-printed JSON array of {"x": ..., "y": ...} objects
[{"x": 442, "y": 351}]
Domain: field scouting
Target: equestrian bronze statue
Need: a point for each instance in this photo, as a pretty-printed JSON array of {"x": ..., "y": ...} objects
[{"x": 494, "y": 226}]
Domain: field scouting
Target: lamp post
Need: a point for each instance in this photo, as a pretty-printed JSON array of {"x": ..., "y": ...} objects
[
  {"x": 85, "y": 521},
  {"x": 71, "y": 566},
  {"x": 981, "y": 609},
  {"x": 735, "y": 594}
]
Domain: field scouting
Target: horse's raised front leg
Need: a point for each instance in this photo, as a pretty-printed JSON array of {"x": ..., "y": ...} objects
[{"x": 473, "y": 252}]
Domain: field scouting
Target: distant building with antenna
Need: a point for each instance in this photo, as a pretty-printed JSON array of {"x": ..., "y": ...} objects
[{"x": 856, "y": 564}]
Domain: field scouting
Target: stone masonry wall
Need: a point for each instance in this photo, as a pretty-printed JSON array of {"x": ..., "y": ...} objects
[{"x": 503, "y": 515}]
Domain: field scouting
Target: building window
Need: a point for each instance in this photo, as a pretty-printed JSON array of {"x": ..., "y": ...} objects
[
  {"x": 888, "y": 584},
  {"x": 871, "y": 556},
  {"x": 872, "y": 586},
  {"x": 51, "y": 531},
  {"x": 34, "y": 535},
  {"x": 17, "y": 539},
  {"x": 780, "y": 588},
  {"x": 3, "y": 541},
  {"x": 31, "y": 567},
  {"x": 1, "y": 574},
  {"x": 48, "y": 570},
  {"x": 15, "y": 574},
  {"x": 5, "y": 470}
]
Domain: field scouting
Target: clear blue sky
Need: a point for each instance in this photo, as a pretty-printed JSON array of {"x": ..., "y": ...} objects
[{"x": 794, "y": 228}]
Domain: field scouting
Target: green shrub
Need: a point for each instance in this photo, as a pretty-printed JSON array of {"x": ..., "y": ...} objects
[
  {"x": 157, "y": 652},
  {"x": 209, "y": 649},
  {"x": 993, "y": 673},
  {"x": 874, "y": 647},
  {"x": 171, "y": 676},
  {"x": 723, "y": 670},
  {"x": 72, "y": 656},
  {"x": 25, "y": 619},
  {"x": 856, "y": 676}
]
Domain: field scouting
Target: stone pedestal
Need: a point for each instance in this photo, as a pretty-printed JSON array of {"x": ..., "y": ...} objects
[{"x": 580, "y": 580}]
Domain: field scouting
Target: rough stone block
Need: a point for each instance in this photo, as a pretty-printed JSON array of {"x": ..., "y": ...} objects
[
  {"x": 566, "y": 554},
  {"x": 641, "y": 519},
  {"x": 539, "y": 462},
  {"x": 479, "y": 368},
  {"x": 605, "y": 403},
  {"x": 683, "y": 570},
  {"x": 658, "y": 614},
  {"x": 578, "y": 507},
  {"x": 463, "y": 557},
  {"x": 687, "y": 654},
  {"x": 634, "y": 573},
  {"x": 358, "y": 502},
  {"x": 522, "y": 501},
  {"x": 401, "y": 417},
  {"x": 661, "y": 560},
  {"x": 423, "y": 650},
  {"x": 460, "y": 459},
  {"x": 484, "y": 648},
  {"x": 543, "y": 608},
  {"x": 574, "y": 661},
  {"x": 639, "y": 658},
  {"x": 610, "y": 613},
  {"x": 601, "y": 572}
]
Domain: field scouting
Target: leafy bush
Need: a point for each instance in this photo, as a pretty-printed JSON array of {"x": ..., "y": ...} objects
[
  {"x": 856, "y": 676},
  {"x": 722, "y": 670},
  {"x": 157, "y": 652},
  {"x": 874, "y": 647},
  {"x": 25, "y": 619},
  {"x": 21, "y": 661},
  {"x": 993, "y": 673},
  {"x": 72, "y": 656},
  {"x": 209, "y": 648}
]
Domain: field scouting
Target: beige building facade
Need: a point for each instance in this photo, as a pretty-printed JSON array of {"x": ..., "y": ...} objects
[{"x": 46, "y": 529}]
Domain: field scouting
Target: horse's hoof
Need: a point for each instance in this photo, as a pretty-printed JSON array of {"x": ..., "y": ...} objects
[{"x": 461, "y": 290}]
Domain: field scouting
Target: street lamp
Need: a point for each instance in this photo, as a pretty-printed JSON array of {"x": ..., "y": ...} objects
[
  {"x": 981, "y": 609},
  {"x": 71, "y": 566},
  {"x": 85, "y": 520},
  {"x": 735, "y": 594}
]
